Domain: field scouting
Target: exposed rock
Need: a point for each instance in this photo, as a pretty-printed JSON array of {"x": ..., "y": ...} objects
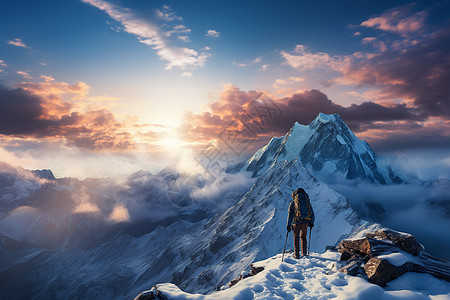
[
  {"x": 256, "y": 270},
  {"x": 379, "y": 247},
  {"x": 44, "y": 174},
  {"x": 353, "y": 268},
  {"x": 380, "y": 271},
  {"x": 148, "y": 295},
  {"x": 151, "y": 294},
  {"x": 253, "y": 272},
  {"x": 406, "y": 242}
]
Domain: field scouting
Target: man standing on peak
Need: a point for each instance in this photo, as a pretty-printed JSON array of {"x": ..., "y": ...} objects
[{"x": 300, "y": 216}]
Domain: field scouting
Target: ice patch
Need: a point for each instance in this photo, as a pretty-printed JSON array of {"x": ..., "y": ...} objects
[{"x": 341, "y": 140}]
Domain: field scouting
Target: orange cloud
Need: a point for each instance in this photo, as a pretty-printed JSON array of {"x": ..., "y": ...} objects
[
  {"x": 241, "y": 121},
  {"x": 399, "y": 20},
  {"x": 49, "y": 110}
]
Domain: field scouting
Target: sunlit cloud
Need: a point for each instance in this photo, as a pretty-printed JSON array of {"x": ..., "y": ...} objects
[
  {"x": 24, "y": 74},
  {"x": 42, "y": 110},
  {"x": 186, "y": 75},
  {"x": 152, "y": 35},
  {"x": 288, "y": 85},
  {"x": 17, "y": 43},
  {"x": 212, "y": 34},
  {"x": 399, "y": 20},
  {"x": 184, "y": 38},
  {"x": 264, "y": 67},
  {"x": 166, "y": 14},
  {"x": 250, "y": 63},
  {"x": 119, "y": 214},
  {"x": 303, "y": 59},
  {"x": 411, "y": 69},
  {"x": 228, "y": 120},
  {"x": 50, "y": 87},
  {"x": 375, "y": 43}
]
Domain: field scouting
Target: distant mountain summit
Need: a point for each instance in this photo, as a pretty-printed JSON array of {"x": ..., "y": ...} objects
[
  {"x": 44, "y": 174},
  {"x": 328, "y": 149}
]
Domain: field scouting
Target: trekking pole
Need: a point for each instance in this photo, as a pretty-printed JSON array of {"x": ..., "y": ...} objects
[
  {"x": 287, "y": 233},
  {"x": 309, "y": 243}
]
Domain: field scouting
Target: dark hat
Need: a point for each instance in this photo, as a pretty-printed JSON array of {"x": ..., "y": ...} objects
[{"x": 298, "y": 191}]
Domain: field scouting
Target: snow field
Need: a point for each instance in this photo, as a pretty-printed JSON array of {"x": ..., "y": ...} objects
[{"x": 307, "y": 279}]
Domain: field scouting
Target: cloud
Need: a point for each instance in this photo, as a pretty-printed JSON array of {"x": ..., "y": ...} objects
[
  {"x": 167, "y": 14},
  {"x": 2, "y": 63},
  {"x": 186, "y": 75},
  {"x": 152, "y": 35},
  {"x": 405, "y": 80},
  {"x": 250, "y": 63},
  {"x": 241, "y": 120},
  {"x": 212, "y": 34},
  {"x": 85, "y": 204},
  {"x": 398, "y": 20},
  {"x": 50, "y": 87},
  {"x": 400, "y": 206},
  {"x": 39, "y": 110},
  {"x": 17, "y": 43},
  {"x": 264, "y": 67},
  {"x": 119, "y": 214},
  {"x": 303, "y": 59},
  {"x": 184, "y": 38},
  {"x": 24, "y": 74},
  {"x": 287, "y": 86},
  {"x": 420, "y": 72}
]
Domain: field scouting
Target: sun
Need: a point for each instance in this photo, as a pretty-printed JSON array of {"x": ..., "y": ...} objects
[{"x": 171, "y": 143}]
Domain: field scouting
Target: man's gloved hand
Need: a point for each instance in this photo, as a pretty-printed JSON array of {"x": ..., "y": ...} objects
[
  {"x": 288, "y": 228},
  {"x": 311, "y": 225}
]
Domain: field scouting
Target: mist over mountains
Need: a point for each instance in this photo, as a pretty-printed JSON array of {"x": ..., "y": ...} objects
[{"x": 109, "y": 238}]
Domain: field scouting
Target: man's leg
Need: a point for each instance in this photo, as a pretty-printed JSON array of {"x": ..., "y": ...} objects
[
  {"x": 296, "y": 229},
  {"x": 303, "y": 230}
]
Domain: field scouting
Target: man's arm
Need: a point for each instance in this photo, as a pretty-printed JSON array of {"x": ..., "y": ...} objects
[{"x": 290, "y": 216}]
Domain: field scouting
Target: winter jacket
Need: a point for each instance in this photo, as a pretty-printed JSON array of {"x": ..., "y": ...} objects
[{"x": 303, "y": 201}]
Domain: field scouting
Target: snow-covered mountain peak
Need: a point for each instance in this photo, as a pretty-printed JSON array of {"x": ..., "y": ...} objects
[
  {"x": 324, "y": 118},
  {"x": 328, "y": 148}
]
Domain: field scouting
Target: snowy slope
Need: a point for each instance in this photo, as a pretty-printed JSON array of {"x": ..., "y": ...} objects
[
  {"x": 307, "y": 279},
  {"x": 61, "y": 238},
  {"x": 199, "y": 244},
  {"x": 198, "y": 255},
  {"x": 255, "y": 228},
  {"x": 330, "y": 151}
]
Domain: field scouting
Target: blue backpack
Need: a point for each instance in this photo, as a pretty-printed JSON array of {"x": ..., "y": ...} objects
[{"x": 302, "y": 207}]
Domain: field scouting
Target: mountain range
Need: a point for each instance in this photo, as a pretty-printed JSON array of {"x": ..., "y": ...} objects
[{"x": 105, "y": 238}]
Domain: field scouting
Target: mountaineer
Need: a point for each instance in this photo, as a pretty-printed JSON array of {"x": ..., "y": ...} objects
[{"x": 301, "y": 215}]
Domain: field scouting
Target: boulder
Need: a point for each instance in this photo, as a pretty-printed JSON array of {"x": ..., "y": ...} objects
[
  {"x": 253, "y": 272},
  {"x": 353, "y": 268},
  {"x": 379, "y": 251},
  {"x": 380, "y": 271},
  {"x": 151, "y": 294},
  {"x": 406, "y": 242}
]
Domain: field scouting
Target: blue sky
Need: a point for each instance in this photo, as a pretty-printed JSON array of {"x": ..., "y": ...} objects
[{"x": 130, "y": 80}]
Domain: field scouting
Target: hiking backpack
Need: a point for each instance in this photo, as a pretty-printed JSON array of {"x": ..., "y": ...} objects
[{"x": 302, "y": 213}]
